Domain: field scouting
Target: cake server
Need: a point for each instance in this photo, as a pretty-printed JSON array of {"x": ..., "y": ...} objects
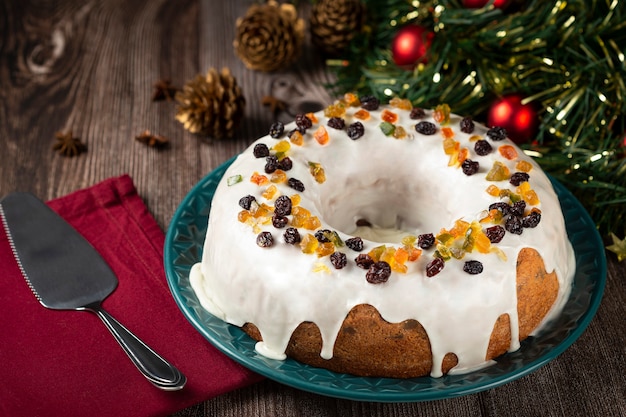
[{"x": 66, "y": 273}]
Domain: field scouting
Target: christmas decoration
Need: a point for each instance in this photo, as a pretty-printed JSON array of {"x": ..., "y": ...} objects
[
  {"x": 334, "y": 23},
  {"x": 410, "y": 45},
  {"x": 211, "y": 105},
  {"x": 68, "y": 145},
  {"x": 618, "y": 247},
  {"x": 520, "y": 119},
  {"x": 154, "y": 141},
  {"x": 477, "y": 4},
  {"x": 163, "y": 90},
  {"x": 269, "y": 37},
  {"x": 566, "y": 57}
]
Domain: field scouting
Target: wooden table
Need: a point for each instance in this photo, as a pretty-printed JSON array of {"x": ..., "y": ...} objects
[{"x": 89, "y": 67}]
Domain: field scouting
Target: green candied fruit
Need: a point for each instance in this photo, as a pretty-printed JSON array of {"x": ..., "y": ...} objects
[
  {"x": 234, "y": 179},
  {"x": 387, "y": 128}
]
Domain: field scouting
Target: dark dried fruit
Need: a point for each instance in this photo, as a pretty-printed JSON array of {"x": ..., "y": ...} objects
[
  {"x": 434, "y": 267},
  {"x": 378, "y": 273},
  {"x": 364, "y": 261},
  {"x": 513, "y": 224},
  {"x": 467, "y": 125},
  {"x": 470, "y": 167},
  {"x": 265, "y": 239},
  {"x": 246, "y": 202},
  {"x": 355, "y": 130},
  {"x": 482, "y": 147},
  {"x": 496, "y": 133},
  {"x": 295, "y": 184},
  {"x": 322, "y": 235},
  {"x": 279, "y": 221},
  {"x": 532, "y": 220},
  {"x": 285, "y": 164},
  {"x": 282, "y": 206},
  {"x": 261, "y": 150},
  {"x": 473, "y": 267},
  {"x": 503, "y": 207},
  {"x": 277, "y": 129},
  {"x": 495, "y": 233},
  {"x": 369, "y": 103},
  {"x": 336, "y": 123},
  {"x": 303, "y": 122},
  {"x": 271, "y": 164},
  {"x": 519, "y": 177},
  {"x": 426, "y": 241},
  {"x": 426, "y": 128},
  {"x": 417, "y": 113},
  {"x": 355, "y": 243},
  {"x": 518, "y": 208},
  {"x": 338, "y": 259},
  {"x": 291, "y": 236}
]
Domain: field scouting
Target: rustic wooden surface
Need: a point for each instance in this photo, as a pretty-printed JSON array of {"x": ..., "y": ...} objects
[{"x": 89, "y": 66}]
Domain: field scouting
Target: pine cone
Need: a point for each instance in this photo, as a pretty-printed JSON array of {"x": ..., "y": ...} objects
[
  {"x": 269, "y": 37},
  {"x": 211, "y": 105},
  {"x": 334, "y": 23}
]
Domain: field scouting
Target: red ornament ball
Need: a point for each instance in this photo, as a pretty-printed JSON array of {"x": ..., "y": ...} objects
[
  {"x": 410, "y": 45},
  {"x": 521, "y": 121},
  {"x": 477, "y": 4}
]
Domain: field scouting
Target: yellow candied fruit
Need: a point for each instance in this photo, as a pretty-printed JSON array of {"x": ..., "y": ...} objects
[
  {"x": 493, "y": 190},
  {"x": 282, "y": 147},
  {"x": 444, "y": 252},
  {"x": 399, "y": 132},
  {"x": 259, "y": 179},
  {"x": 447, "y": 132},
  {"x": 325, "y": 249},
  {"x": 312, "y": 117},
  {"x": 508, "y": 152},
  {"x": 312, "y": 223},
  {"x": 278, "y": 177},
  {"x": 351, "y": 99},
  {"x": 261, "y": 210},
  {"x": 409, "y": 240},
  {"x": 309, "y": 244},
  {"x": 335, "y": 110},
  {"x": 395, "y": 262},
  {"x": 389, "y": 116},
  {"x": 321, "y": 135},
  {"x": 243, "y": 216},
  {"x": 401, "y": 103},
  {"x": 362, "y": 115},
  {"x": 320, "y": 267},
  {"x": 296, "y": 138},
  {"x": 299, "y": 216},
  {"x": 499, "y": 252},
  {"x": 475, "y": 138},
  {"x": 295, "y": 199},
  {"x": 459, "y": 229},
  {"x": 317, "y": 171},
  {"x": 498, "y": 172},
  {"x": 377, "y": 252},
  {"x": 493, "y": 216},
  {"x": 270, "y": 192},
  {"x": 441, "y": 114},
  {"x": 528, "y": 194},
  {"x": 450, "y": 146},
  {"x": 524, "y": 166}
]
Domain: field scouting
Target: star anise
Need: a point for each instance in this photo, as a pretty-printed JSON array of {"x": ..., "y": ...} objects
[
  {"x": 156, "y": 141},
  {"x": 68, "y": 145},
  {"x": 164, "y": 90}
]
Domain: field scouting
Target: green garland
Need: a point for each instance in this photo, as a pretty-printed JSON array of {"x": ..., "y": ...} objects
[{"x": 566, "y": 56}]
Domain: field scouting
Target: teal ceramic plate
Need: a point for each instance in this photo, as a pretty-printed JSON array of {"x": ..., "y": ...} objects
[{"x": 183, "y": 248}]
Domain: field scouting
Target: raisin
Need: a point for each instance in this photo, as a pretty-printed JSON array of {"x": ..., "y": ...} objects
[
  {"x": 482, "y": 147},
  {"x": 503, "y": 207},
  {"x": 261, "y": 150},
  {"x": 246, "y": 202},
  {"x": 532, "y": 220},
  {"x": 285, "y": 164},
  {"x": 496, "y": 133},
  {"x": 279, "y": 221},
  {"x": 336, "y": 123},
  {"x": 282, "y": 206},
  {"x": 473, "y": 267},
  {"x": 517, "y": 209},
  {"x": 277, "y": 129},
  {"x": 338, "y": 259},
  {"x": 513, "y": 224},
  {"x": 303, "y": 122},
  {"x": 434, "y": 267},
  {"x": 355, "y": 243},
  {"x": 271, "y": 164},
  {"x": 426, "y": 128},
  {"x": 369, "y": 103},
  {"x": 417, "y": 113},
  {"x": 321, "y": 235},
  {"x": 364, "y": 261},
  {"x": 495, "y": 233},
  {"x": 355, "y": 130},
  {"x": 378, "y": 273},
  {"x": 291, "y": 236},
  {"x": 265, "y": 239},
  {"x": 295, "y": 184},
  {"x": 426, "y": 241},
  {"x": 519, "y": 177},
  {"x": 470, "y": 167},
  {"x": 467, "y": 125}
]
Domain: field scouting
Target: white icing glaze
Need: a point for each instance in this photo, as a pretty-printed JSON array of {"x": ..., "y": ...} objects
[{"x": 402, "y": 186}]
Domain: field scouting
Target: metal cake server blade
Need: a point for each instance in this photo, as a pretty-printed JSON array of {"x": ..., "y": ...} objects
[{"x": 66, "y": 273}]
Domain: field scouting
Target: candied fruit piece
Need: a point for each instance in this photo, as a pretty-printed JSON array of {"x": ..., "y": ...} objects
[
  {"x": 243, "y": 216},
  {"x": 282, "y": 147},
  {"x": 493, "y": 216},
  {"x": 481, "y": 242},
  {"x": 459, "y": 229},
  {"x": 441, "y": 114},
  {"x": 295, "y": 199},
  {"x": 401, "y": 255},
  {"x": 387, "y": 128},
  {"x": 378, "y": 273},
  {"x": 270, "y": 192},
  {"x": 508, "y": 152},
  {"x": 261, "y": 210},
  {"x": 475, "y": 138},
  {"x": 278, "y": 177},
  {"x": 463, "y": 153},
  {"x": 362, "y": 115},
  {"x": 401, "y": 103},
  {"x": 309, "y": 244},
  {"x": 528, "y": 194},
  {"x": 447, "y": 132},
  {"x": 351, "y": 99},
  {"x": 232, "y": 180},
  {"x": 321, "y": 135},
  {"x": 312, "y": 117},
  {"x": 493, "y": 190},
  {"x": 409, "y": 240},
  {"x": 317, "y": 171},
  {"x": 414, "y": 254},
  {"x": 325, "y": 249},
  {"x": 524, "y": 166},
  {"x": 296, "y": 138},
  {"x": 377, "y": 252},
  {"x": 259, "y": 179},
  {"x": 335, "y": 110},
  {"x": 312, "y": 223},
  {"x": 389, "y": 116},
  {"x": 450, "y": 146},
  {"x": 320, "y": 267},
  {"x": 443, "y": 252},
  {"x": 498, "y": 172},
  {"x": 399, "y": 132}
]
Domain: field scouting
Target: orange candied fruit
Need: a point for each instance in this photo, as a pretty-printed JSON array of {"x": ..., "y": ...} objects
[
  {"x": 475, "y": 138},
  {"x": 508, "y": 151},
  {"x": 463, "y": 153},
  {"x": 312, "y": 117},
  {"x": 259, "y": 179},
  {"x": 399, "y": 132},
  {"x": 351, "y": 100},
  {"x": 278, "y": 177},
  {"x": 309, "y": 243},
  {"x": 243, "y": 216},
  {"x": 295, "y": 199},
  {"x": 528, "y": 194},
  {"x": 321, "y": 135},
  {"x": 493, "y": 190},
  {"x": 441, "y": 114},
  {"x": 447, "y": 132},
  {"x": 362, "y": 115},
  {"x": 494, "y": 216},
  {"x": 296, "y": 138},
  {"x": 270, "y": 192},
  {"x": 401, "y": 103},
  {"x": 524, "y": 166},
  {"x": 450, "y": 146},
  {"x": 498, "y": 172},
  {"x": 389, "y": 116},
  {"x": 335, "y": 110},
  {"x": 325, "y": 249},
  {"x": 312, "y": 223}
]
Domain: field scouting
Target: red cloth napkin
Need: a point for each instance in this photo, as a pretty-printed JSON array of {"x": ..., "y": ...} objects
[{"x": 66, "y": 363}]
